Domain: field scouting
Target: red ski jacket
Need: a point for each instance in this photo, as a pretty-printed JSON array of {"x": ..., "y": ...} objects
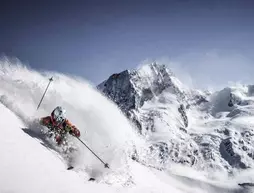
[{"x": 63, "y": 128}]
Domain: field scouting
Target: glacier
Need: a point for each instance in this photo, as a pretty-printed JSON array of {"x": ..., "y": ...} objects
[{"x": 125, "y": 136}]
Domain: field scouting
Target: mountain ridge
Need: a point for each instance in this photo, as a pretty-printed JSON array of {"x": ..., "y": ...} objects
[{"x": 170, "y": 116}]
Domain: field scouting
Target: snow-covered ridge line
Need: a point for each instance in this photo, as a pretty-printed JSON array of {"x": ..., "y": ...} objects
[{"x": 135, "y": 87}]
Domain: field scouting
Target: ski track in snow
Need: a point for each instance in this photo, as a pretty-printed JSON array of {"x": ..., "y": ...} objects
[{"x": 30, "y": 164}]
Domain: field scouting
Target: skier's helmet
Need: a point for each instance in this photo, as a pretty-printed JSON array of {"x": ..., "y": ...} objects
[{"x": 59, "y": 115}]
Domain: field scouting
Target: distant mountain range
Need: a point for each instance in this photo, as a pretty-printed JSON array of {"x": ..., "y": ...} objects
[{"x": 210, "y": 131}]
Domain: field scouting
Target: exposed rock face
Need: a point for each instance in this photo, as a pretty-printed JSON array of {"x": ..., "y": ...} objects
[
  {"x": 227, "y": 152},
  {"x": 130, "y": 89},
  {"x": 182, "y": 111},
  {"x": 120, "y": 89},
  {"x": 186, "y": 126}
]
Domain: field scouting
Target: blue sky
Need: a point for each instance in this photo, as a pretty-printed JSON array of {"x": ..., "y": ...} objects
[{"x": 211, "y": 41}]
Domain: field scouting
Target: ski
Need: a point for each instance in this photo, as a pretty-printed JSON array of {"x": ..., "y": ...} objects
[
  {"x": 90, "y": 179},
  {"x": 246, "y": 184},
  {"x": 70, "y": 168}
]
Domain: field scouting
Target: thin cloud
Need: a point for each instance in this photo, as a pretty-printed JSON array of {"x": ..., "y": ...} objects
[{"x": 211, "y": 69}]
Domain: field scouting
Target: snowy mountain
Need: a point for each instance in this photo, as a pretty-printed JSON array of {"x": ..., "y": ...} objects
[
  {"x": 208, "y": 131},
  {"x": 31, "y": 162}
]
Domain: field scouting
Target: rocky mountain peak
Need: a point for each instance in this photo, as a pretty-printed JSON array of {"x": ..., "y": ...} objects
[{"x": 130, "y": 89}]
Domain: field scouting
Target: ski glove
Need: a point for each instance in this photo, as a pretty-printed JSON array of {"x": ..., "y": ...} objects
[
  {"x": 74, "y": 131},
  {"x": 77, "y": 133}
]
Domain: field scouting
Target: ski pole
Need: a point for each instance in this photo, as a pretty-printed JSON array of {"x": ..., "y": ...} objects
[
  {"x": 50, "y": 80},
  {"x": 105, "y": 164}
]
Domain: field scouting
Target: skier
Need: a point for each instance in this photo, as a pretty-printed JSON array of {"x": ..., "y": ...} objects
[{"x": 58, "y": 124}]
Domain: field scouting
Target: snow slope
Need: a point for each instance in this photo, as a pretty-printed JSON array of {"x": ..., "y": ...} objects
[
  {"x": 29, "y": 163},
  {"x": 21, "y": 90},
  {"x": 28, "y": 166}
]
